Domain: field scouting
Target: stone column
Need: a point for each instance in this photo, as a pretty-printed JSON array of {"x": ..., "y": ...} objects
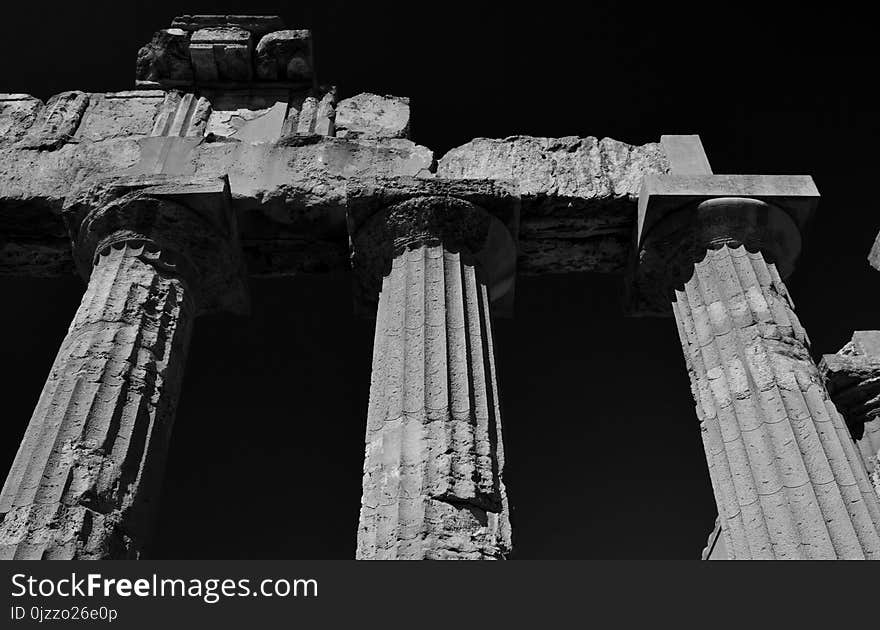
[
  {"x": 786, "y": 476},
  {"x": 85, "y": 482},
  {"x": 433, "y": 474}
]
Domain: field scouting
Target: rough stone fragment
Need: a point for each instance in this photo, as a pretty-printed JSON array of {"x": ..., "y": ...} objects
[
  {"x": 305, "y": 123},
  {"x": 119, "y": 114},
  {"x": 579, "y": 195},
  {"x": 787, "y": 478},
  {"x": 17, "y": 113},
  {"x": 221, "y": 54},
  {"x": 285, "y": 55},
  {"x": 874, "y": 254},
  {"x": 852, "y": 377},
  {"x": 325, "y": 115},
  {"x": 57, "y": 122},
  {"x": 165, "y": 58},
  {"x": 373, "y": 116}
]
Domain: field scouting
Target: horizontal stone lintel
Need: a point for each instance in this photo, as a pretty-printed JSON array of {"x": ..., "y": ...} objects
[{"x": 290, "y": 195}]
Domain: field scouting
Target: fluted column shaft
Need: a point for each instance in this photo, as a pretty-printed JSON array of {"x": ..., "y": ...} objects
[
  {"x": 787, "y": 478},
  {"x": 433, "y": 485},
  {"x": 89, "y": 466}
]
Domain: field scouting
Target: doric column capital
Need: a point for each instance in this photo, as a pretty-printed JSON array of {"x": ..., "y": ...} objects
[
  {"x": 683, "y": 216},
  {"x": 183, "y": 225},
  {"x": 477, "y": 218}
]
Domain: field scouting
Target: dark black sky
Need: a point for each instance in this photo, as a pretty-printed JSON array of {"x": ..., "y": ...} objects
[{"x": 603, "y": 446}]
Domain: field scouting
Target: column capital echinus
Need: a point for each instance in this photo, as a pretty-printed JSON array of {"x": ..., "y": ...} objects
[
  {"x": 388, "y": 216},
  {"x": 183, "y": 225},
  {"x": 681, "y": 217}
]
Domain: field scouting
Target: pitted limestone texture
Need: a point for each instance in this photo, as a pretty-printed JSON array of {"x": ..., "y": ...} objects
[
  {"x": 788, "y": 481},
  {"x": 86, "y": 479},
  {"x": 578, "y": 195},
  {"x": 852, "y": 377},
  {"x": 433, "y": 473}
]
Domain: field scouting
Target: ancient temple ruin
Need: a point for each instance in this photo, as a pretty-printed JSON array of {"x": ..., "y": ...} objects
[{"x": 231, "y": 160}]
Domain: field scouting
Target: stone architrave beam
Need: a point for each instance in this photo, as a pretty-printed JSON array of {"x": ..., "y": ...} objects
[{"x": 278, "y": 181}]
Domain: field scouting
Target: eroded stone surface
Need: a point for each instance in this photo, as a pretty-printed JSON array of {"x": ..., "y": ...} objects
[
  {"x": 86, "y": 478},
  {"x": 852, "y": 377},
  {"x": 165, "y": 57},
  {"x": 578, "y": 195},
  {"x": 433, "y": 473},
  {"x": 221, "y": 54},
  {"x": 285, "y": 55},
  {"x": 787, "y": 478},
  {"x": 17, "y": 113},
  {"x": 119, "y": 114},
  {"x": 57, "y": 122},
  {"x": 259, "y": 24},
  {"x": 289, "y": 195},
  {"x": 373, "y": 116}
]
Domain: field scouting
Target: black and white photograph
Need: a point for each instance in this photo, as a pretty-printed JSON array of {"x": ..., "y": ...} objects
[{"x": 593, "y": 286}]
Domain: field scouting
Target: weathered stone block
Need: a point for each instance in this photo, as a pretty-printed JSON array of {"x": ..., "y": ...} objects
[
  {"x": 118, "y": 114},
  {"x": 165, "y": 58},
  {"x": 852, "y": 377},
  {"x": 17, "y": 113},
  {"x": 578, "y": 195},
  {"x": 256, "y": 24},
  {"x": 285, "y": 55},
  {"x": 373, "y": 116},
  {"x": 57, "y": 122},
  {"x": 289, "y": 196},
  {"x": 221, "y": 54}
]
